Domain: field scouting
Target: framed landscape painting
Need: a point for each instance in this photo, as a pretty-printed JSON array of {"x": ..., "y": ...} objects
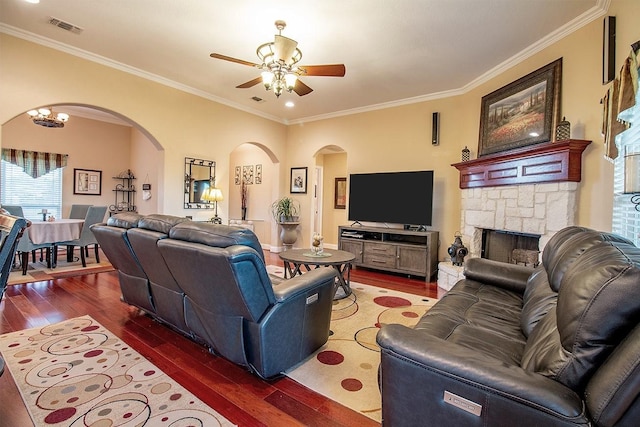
[{"x": 522, "y": 113}]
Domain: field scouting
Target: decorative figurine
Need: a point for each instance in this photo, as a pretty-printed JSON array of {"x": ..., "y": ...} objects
[
  {"x": 466, "y": 154},
  {"x": 457, "y": 251},
  {"x": 563, "y": 130}
]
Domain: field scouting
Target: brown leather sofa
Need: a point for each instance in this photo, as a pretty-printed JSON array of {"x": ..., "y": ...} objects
[
  {"x": 556, "y": 346},
  {"x": 209, "y": 282}
]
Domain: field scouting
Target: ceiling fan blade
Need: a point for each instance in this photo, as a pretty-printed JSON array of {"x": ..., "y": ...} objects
[
  {"x": 284, "y": 48},
  {"x": 250, "y": 83},
  {"x": 330, "y": 70},
  {"x": 230, "y": 59},
  {"x": 301, "y": 88}
]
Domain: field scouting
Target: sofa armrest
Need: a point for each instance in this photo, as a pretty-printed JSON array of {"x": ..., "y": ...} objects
[
  {"x": 512, "y": 277},
  {"x": 300, "y": 284},
  {"x": 417, "y": 369}
]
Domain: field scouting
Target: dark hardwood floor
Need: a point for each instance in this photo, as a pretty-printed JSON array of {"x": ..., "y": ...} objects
[{"x": 243, "y": 398}]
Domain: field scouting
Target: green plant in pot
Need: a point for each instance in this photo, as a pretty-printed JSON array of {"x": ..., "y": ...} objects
[{"x": 285, "y": 210}]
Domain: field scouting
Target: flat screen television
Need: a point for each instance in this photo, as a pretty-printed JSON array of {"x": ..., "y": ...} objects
[{"x": 392, "y": 197}]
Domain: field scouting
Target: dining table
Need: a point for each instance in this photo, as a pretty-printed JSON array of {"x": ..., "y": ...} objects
[{"x": 54, "y": 232}]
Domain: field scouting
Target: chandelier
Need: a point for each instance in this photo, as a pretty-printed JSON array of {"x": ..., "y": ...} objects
[
  {"x": 45, "y": 117},
  {"x": 278, "y": 60}
]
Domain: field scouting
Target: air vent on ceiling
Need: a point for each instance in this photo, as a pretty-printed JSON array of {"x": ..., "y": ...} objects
[
  {"x": 65, "y": 25},
  {"x": 257, "y": 99}
]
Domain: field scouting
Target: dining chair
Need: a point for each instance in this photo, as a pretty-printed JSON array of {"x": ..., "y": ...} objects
[
  {"x": 79, "y": 211},
  {"x": 11, "y": 228},
  {"x": 26, "y": 246},
  {"x": 14, "y": 210},
  {"x": 95, "y": 214}
]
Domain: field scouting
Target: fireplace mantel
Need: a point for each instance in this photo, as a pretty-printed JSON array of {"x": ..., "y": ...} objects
[{"x": 547, "y": 162}]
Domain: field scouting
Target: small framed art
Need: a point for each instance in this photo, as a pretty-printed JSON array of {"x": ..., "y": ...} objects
[
  {"x": 299, "y": 180},
  {"x": 87, "y": 181},
  {"x": 340, "y": 200}
]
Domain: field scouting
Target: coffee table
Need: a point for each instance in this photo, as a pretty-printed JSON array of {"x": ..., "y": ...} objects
[{"x": 296, "y": 259}]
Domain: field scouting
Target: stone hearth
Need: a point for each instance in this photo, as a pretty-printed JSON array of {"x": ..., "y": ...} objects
[
  {"x": 541, "y": 209},
  {"x": 536, "y": 193}
]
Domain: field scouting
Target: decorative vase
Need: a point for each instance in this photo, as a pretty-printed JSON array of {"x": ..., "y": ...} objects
[
  {"x": 316, "y": 244},
  {"x": 289, "y": 233},
  {"x": 244, "y": 214}
]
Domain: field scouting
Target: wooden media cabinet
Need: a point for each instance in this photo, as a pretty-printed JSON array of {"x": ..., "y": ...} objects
[{"x": 397, "y": 250}]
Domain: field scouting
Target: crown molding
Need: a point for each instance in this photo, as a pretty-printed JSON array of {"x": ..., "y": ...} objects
[
  {"x": 63, "y": 47},
  {"x": 589, "y": 16}
]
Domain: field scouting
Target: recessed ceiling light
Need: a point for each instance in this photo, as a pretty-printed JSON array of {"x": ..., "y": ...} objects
[
  {"x": 289, "y": 104},
  {"x": 33, "y": 1}
]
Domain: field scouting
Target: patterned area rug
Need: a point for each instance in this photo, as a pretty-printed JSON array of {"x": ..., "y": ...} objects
[
  {"x": 345, "y": 369},
  {"x": 77, "y": 373},
  {"x": 38, "y": 271}
]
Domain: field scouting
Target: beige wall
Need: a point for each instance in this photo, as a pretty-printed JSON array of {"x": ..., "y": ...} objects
[
  {"x": 259, "y": 196},
  {"x": 334, "y": 166},
  {"x": 90, "y": 144},
  {"x": 144, "y": 162},
  {"x": 385, "y": 140}
]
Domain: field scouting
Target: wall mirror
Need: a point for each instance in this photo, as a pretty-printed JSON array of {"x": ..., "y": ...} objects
[{"x": 198, "y": 174}]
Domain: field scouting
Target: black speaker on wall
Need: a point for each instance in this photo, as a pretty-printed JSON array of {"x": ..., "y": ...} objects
[
  {"x": 609, "y": 49},
  {"x": 435, "y": 129}
]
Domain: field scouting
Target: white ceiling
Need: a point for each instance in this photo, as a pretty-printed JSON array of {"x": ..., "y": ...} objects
[{"x": 395, "y": 51}]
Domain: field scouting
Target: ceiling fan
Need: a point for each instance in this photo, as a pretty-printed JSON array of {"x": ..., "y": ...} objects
[{"x": 278, "y": 62}]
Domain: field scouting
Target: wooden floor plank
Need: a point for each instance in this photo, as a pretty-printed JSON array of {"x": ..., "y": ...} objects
[{"x": 238, "y": 395}]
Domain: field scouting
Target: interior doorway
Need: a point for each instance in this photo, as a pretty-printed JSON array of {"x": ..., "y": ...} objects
[{"x": 317, "y": 201}]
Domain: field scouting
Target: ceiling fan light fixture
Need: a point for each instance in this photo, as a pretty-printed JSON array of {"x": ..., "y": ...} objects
[
  {"x": 278, "y": 87},
  {"x": 267, "y": 79},
  {"x": 290, "y": 81},
  {"x": 266, "y": 53},
  {"x": 278, "y": 67}
]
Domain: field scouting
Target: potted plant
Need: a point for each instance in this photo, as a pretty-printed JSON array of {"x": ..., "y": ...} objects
[{"x": 285, "y": 210}]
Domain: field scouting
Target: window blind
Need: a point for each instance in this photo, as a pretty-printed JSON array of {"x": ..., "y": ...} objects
[
  {"x": 626, "y": 218},
  {"x": 33, "y": 194}
]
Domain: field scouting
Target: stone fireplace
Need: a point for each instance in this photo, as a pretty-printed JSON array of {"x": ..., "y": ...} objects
[
  {"x": 539, "y": 209},
  {"x": 531, "y": 192}
]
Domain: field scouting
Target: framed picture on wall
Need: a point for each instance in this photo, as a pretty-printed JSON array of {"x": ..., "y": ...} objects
[
  {"x": 298, "y": 180},
  {"x": 340, "y": 201},
  {"x": 258, "y": 174},
  {"x": 522, "y": 113},
  {"x": 87, "y": 181},
  {"x": 237, "y": 176},
  {"x": 247, "y": 174}
]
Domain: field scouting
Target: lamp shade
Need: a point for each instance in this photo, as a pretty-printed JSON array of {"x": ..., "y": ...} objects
[{"x": 212, "y": 194}]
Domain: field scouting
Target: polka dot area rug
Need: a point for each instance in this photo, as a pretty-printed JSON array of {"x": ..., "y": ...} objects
[
  {"x": 345, "y": 369},
  {"x": 77, "y": 373}
]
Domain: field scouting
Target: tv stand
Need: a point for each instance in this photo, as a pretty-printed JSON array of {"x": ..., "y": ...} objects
[{"x": 390, "y": 249}]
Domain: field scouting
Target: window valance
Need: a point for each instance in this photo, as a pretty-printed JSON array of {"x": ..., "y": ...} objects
[{"x": 35, "y": 163}]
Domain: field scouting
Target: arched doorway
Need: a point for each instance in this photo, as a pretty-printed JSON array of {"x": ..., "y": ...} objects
[
  {"x": 330, "y": 165},
  {"x": 258, "y": 167},
  {"x": 98, "y": 139}
]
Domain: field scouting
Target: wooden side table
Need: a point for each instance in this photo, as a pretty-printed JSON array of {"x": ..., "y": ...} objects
[{"x": 296, "y": 259}]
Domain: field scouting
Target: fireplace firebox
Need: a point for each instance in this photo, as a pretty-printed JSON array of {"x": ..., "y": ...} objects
[{"x": 511, "y": 247}]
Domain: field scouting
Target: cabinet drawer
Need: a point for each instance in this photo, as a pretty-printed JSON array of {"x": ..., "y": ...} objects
[
  {"x": 379, "y": 249},
  {"x": 379, "y": 255}
]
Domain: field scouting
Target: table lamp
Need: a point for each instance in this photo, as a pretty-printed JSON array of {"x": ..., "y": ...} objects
[{"x": 213, "y": 195}]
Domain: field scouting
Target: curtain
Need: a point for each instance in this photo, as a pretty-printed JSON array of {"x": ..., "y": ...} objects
[{"x": 35, "y": 163}]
